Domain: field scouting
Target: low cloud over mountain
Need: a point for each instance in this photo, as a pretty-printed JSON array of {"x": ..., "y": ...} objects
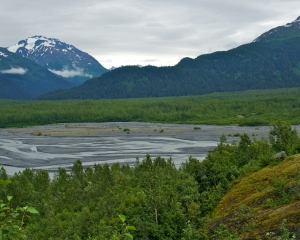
[{"x": 13, "y": 70}]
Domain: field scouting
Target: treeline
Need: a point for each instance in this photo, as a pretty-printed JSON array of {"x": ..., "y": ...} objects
[
  {"x": 250, "y": 66},
  {"x": 160, "y": 201},
  {"x": 243, "y": 108}
]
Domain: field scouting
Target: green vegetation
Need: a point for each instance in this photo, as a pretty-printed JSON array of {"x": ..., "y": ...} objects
[
  {"x": 239, "y": 190},
  {"x": 12, "y": 220},
  {"x": 257, "y": 107},
  {"x": 125, "y": 234}
]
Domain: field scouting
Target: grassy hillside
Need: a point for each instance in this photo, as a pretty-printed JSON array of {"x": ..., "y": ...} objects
[{"x": 261, "y": 203}]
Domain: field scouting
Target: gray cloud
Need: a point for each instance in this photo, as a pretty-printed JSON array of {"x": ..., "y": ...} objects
[
  {"x": 132, "y": 31},
  {"x": 13, "y": 70}
]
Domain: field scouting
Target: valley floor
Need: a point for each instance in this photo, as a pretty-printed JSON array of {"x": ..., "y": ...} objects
[{"x": 60, "y": 145}]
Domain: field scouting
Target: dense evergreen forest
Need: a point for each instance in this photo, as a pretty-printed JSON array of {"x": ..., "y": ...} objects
[
  {"x": 150, "y": 200},
  {"x": 257, "y": 65},
  {"x": 243, "y": 108}
]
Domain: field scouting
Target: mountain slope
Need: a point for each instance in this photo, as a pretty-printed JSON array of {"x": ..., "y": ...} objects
[
  {"x": 59, "y": 57},
  {"x": 19, "y": 74},
  {"x": 250, "y": 66},
  {"x": 290, "y": 30},
  {"x": 10, "y": 90}
]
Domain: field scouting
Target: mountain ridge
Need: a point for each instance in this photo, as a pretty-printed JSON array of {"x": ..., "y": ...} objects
[
  {"x": 287, "y": 31},
  {"x": 256, "y": 65}
]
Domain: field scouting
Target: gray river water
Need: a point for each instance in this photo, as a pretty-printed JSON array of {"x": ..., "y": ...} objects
[{"x": 105, "y": 143}]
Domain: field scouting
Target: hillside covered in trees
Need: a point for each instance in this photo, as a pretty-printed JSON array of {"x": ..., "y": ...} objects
[
  {"x": 10, "y": 90},
  {"x": 271, "y": 61},
  {"x": 160, "y": 201}
]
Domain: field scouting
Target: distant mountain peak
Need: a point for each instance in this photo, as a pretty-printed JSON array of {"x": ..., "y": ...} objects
[
  {"x": 33, "y": 43},
  {"x": 289, "y": 30},
  {"x": 59, "y": 57}
]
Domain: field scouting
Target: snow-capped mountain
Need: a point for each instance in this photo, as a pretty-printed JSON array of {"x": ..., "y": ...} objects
[
  {"x": 21, "y": 78},
  {"x": 60, "y": 58},
  {"x": 289, "y": 30}
]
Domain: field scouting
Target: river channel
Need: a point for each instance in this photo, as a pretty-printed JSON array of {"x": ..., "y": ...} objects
[{"x": 60, "y": 145}]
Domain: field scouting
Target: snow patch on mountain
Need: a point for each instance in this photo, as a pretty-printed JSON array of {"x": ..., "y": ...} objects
[
  {"x": 15, "y": 70},
  {"x": 31, "y": 43},
  {"x": 3, "y": 55},
  {"x": 14, "y": 48}
]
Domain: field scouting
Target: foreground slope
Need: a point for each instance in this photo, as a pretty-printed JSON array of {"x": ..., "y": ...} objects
[
  {"x": 25, "y": 79},
  {"x": 262, "y": 203},
  {"x": 257, "y": 65}
]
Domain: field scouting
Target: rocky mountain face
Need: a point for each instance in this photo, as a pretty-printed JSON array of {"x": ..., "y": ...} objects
[
  {"x": 60, "y": 58},
  {"x": 21, "y": 78}
]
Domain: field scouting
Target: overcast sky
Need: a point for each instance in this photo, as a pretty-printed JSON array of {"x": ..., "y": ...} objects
[{"x": 156, "y": 32}]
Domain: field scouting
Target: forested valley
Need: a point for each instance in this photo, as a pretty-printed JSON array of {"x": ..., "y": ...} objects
[
  {"x": 152, "y": 199},
  {"x": 242, "y": 108}
]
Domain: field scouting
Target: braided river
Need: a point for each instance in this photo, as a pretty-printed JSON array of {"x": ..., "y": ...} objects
[{"x": 60, "y": 145}]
